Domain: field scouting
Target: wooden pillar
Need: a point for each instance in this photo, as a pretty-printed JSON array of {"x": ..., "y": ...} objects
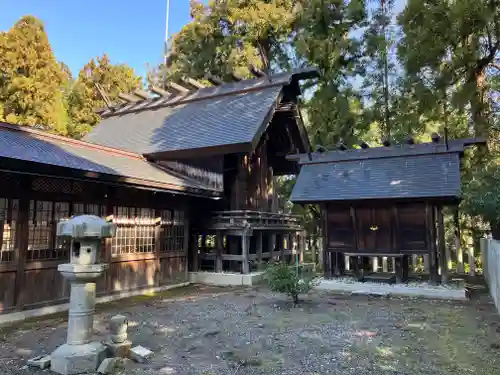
[
  {"x": 245, "y": 242},
  {"x": 187, "y": 236},
  {"x": 442, "y": 246},
  {"x": 458, "y": 244},
  {"x": 158, "y": 244},
  {"x": 358, "y": 266},
  {"x": 195, "y": 251},
  {"x": 431, "y": 241},
  {"x": 402, "y": 269},
  {"x": 270, "y": 245},
  {"x": 22, "y": 239},
  {"x": 219, "y": 245},
  {"x": 280, "y": 246},
  {"x": 260, "y": 244},
  {"x": 302, "y": 247}
]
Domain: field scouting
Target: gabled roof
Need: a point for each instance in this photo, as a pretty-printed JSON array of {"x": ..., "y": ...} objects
[
  {"x": 423, "y": 176},
  {"x": 95, "y": 162},
  {"x": 221, "y": 119},
  {"x": 405, "y": 171}
]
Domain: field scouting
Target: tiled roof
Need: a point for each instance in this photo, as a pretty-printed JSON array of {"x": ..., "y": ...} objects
[
  {"x": 417, "y": 176},
  {"x": 230, "y": 114},
  {"x": 23, "y": 143}
]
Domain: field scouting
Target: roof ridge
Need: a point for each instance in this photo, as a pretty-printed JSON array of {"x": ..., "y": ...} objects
[
  {"x": 182, "y": 99},
  {"x": 43, "y": 134}
]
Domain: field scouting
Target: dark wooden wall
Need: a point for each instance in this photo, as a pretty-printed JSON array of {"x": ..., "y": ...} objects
[
  {"x": 393, "y": 228},
  {"x": 249, "y": 180},
  {"x": 144, "y": 255}
]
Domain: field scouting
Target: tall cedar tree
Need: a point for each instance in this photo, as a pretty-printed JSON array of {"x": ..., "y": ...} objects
[
  {"x": 31, "y": 80},
  {"x": 225, "y": 37},
  {"x": 459, "y": 51},
  {"x": 327, "y": 37},
  {"x": 84, "y": 97}
]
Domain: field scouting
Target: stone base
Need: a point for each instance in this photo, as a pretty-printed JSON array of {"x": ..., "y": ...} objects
[
  {"x": 77, "y": 359},
  {"x": 399, "y": 290},
  {"x": 121, "y": 350},
  {"x": 226, "y": 278}
]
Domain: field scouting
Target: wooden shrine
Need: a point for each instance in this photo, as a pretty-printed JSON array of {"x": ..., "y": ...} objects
[{"x": 383, "y": 202}]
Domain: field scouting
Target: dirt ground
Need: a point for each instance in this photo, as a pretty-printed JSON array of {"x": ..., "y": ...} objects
[{"x": 208, "y": 331}]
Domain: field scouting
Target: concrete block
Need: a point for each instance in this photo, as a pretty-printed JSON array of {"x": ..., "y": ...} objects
[
  {"x": 121, "y": 349},
  {"x": 107, "y": 366},
  {"x": 77, "y": 359},
  {"x": 140, "y": 354},
  {"x": 41, "y": 361}
]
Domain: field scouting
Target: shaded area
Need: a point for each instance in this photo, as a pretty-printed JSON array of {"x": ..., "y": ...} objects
[{"x": 201, "y": 330}]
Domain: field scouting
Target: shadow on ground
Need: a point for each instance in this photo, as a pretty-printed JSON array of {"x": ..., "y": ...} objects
[{"x": 204, "y": 330}]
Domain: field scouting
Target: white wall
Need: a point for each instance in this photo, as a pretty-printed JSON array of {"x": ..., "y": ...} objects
[{"x": 490, "y": 250}]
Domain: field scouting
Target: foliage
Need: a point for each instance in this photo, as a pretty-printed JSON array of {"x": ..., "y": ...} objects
[
  {"x": 31, "y": 80},
  {"x": 225, "y": 37},
  {"x": 84, "y": 97},
  {"x": 283, "y": 278}
]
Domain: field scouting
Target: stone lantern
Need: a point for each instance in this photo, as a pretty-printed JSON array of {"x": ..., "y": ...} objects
[{"x": 80, "y": 354}]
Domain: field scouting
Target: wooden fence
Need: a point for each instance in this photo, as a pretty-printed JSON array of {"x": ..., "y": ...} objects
[
  {"x": 491, "y": 259},
  {"x": 460, "y": 261}
]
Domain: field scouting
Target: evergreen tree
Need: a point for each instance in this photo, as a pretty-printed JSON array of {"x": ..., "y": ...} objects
[
  {"x": 31, "y": 79},
  {"x": 84, "y": 97},
  {"x": 327, "y": 37},
  {"x": 225, "y": 37}
]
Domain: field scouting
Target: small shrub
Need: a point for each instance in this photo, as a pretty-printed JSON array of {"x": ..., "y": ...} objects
[{"x": 283, "y": 278}]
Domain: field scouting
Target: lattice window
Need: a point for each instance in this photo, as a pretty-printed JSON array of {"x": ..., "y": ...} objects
[
  {"x": 88, "y": 209},
  {"x": 179, "y": 230},
  {"x": 135, "y": 232},
  {"x": 9, "y": 211},
  {"x": 42, "y": 243},
  {"x": 172, "y": 231}
]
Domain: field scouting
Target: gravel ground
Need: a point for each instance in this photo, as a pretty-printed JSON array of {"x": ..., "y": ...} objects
[{"x": 208, "y": 331}]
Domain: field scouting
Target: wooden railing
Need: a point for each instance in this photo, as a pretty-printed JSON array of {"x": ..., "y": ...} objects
[{"x": 257, "y": 220}]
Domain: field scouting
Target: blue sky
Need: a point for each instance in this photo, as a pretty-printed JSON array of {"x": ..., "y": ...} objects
[{"x": 128, "y": 31}]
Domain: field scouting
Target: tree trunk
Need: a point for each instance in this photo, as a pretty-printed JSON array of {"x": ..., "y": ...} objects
[{"x": 479, "y": 105}]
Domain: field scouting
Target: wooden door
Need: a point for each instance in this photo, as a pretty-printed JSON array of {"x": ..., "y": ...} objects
[{"x": 374, "y": 228}]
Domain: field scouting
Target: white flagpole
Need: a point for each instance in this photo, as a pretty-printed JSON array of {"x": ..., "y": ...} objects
[{"x": 166, "y": 32}]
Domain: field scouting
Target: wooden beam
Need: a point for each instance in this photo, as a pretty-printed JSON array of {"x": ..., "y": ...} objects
[
  {"x": 193, "y": 82},
  {"x": 160, "y": 91},
  {"x": 177, "y": 87},
  {"x": 142, "y": 94},
  {"x": 128, "y": 98}
]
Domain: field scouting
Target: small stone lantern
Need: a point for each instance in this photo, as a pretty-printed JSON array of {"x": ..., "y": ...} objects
[{"x": 80, "y": 354}]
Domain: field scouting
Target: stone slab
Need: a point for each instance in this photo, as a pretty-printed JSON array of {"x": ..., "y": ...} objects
[
  {"x": 121, "y": 349},
  {"x": 41, "y": 361},
  {"x": 226, "y": 279},
  {"x": 107, "y": 366},
  {"x": 140, "y": 353},
  {"x": 399, "y": 290},
  {"x": 77, "y": 359}
]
